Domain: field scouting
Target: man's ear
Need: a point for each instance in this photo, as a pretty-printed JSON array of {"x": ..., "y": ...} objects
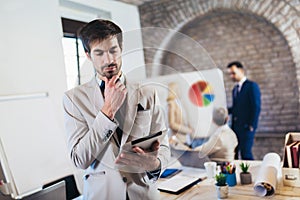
[
  {"x": 226, "y": 119},
  {"x": 88, "y": 55}
]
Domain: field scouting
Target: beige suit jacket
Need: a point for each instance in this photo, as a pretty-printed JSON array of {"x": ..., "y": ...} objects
[{"x": 91, "y": 145}]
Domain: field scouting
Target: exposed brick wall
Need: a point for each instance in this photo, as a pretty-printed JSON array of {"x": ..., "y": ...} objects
[
  {"x": 264, "y": 144},
  {"x": 284, "y": 14}
]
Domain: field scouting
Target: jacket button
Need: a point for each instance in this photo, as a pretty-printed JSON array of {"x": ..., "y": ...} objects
[{"x": 108, "y": 134}]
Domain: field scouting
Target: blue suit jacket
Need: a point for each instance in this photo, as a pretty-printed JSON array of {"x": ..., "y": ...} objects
[{"x": 245, "y": 107}]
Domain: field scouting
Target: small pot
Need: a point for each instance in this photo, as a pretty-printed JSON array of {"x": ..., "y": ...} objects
[
  {"x": 222, "y": 191},
  {"x": 245, "y": 178},
  {"x": 231, "y": 179}
]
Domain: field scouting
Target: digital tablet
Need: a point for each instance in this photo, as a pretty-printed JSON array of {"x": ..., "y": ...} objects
[{"x": 144, "y": 142}]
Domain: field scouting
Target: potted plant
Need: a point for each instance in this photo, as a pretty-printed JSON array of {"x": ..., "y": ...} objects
[
  {"x": 245, "y": 175},
  {"x": 221, "y": 186}
]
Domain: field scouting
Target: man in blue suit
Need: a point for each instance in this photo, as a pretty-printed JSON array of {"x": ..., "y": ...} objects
[{"x": 244, "y": 111}]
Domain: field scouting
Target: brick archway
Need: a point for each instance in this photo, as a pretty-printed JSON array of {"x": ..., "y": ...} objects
[{"x": 175, "y": 14}]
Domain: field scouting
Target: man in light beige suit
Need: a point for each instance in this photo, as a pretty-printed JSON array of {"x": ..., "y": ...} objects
[{"x": 100, "y": 121}]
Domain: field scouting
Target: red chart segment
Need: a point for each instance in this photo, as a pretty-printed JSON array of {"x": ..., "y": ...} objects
[{"x": 201, "y": 94}]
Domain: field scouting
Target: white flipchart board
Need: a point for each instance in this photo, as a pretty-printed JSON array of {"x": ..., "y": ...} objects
[
  {"x": 33, "y": 150},
  {"x": 198, "y": 117}
]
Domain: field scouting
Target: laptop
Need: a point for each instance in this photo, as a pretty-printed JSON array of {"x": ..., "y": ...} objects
[
  {"x": 56, "y": 191},
  {"x": 189, "y": 158}
]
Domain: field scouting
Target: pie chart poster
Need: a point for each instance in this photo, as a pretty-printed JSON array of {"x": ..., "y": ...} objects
[{"x": 198, "y": 93}]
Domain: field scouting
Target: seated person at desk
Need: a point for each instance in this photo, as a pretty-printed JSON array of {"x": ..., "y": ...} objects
[
  {"x": 180, "y": 129},
  {"x": 221, "y": 144}
]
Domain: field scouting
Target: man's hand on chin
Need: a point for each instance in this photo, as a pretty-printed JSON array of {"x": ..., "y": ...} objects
[{"x": 114, "y": 96}]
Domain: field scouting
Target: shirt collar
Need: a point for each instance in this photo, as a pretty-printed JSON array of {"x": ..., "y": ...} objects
[{"x": 242, "y": 81}]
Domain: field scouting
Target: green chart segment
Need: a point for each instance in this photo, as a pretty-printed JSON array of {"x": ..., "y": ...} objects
[{"x": 201, "y": 94}]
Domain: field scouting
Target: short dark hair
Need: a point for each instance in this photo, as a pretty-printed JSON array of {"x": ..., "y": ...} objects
[
  {"x": 236, "y": 63},
  {"x": 99, "y": 30}
]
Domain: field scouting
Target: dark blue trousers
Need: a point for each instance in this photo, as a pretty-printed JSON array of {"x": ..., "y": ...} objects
[{"x": 245, "y": 143}]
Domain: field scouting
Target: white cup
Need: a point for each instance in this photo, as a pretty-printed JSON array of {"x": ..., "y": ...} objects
[{"x": 211, "y": 168}]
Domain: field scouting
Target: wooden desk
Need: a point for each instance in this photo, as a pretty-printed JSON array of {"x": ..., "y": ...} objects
[{"x": 206, "y": 189}]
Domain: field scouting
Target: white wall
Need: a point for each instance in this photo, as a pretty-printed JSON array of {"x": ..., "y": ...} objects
[
  {"x": 32, "y": 62},
  {"x": 31, "y": 53}
]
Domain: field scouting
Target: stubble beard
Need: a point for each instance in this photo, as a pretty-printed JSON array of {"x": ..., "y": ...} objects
[{"x": 109, "y": 74}]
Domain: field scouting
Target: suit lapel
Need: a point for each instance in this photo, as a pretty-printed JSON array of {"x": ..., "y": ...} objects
[
  {"x": 242, "y": 90},
  {"x": 243, "y": 86},
  {"x": 131, "y": 110},
  {"x": 95, "y": 95}
]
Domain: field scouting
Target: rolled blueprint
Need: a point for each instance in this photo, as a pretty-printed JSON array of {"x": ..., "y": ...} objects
[{"x": 266, "y": 180}]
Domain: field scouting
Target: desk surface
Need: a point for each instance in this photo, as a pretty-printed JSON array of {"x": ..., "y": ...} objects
[{"x": 206, "y": 189}]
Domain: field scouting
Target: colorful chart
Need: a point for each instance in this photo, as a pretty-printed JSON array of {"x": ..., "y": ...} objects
[{"x": 201, "y": 94}]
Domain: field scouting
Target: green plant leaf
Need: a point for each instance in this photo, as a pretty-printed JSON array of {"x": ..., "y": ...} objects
[
  {"x": 244, "y": 167},
  {"x": 221, "y": 179}
]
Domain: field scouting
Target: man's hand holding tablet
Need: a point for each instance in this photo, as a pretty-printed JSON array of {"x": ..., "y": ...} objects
[{"x": 141, "y": 154}]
